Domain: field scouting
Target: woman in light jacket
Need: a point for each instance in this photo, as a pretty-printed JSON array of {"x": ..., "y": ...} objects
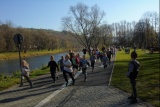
[{"x": 68, "y": 69}]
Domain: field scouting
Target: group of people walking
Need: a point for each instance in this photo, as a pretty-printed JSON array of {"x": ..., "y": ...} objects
[
  {"x": 73, "y": 62},
  {"x": 70, "y": 64}
]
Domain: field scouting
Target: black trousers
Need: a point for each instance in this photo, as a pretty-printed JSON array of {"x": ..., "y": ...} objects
[
  {"x": 70, "y": 74},
  {"x": 109, "y": 58},
  {"x": 84, "y": 72},
  {"x": 53, "y": 75},
  {"x": 92, "y": 64},
  {"x": 134, "y": 91}
]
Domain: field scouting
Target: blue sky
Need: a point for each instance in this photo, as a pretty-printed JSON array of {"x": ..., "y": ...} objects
[{"x": 47, "y": 14}]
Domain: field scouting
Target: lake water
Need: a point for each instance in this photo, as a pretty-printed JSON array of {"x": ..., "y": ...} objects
[{"x": 7, "y": 67}]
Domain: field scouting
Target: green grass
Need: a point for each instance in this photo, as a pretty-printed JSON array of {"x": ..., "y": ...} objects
[
  {"x": 148, "y": 80},
  {"x": 8, "y": 81}
]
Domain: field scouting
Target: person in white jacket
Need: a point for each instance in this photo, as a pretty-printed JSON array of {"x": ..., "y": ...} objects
[
  {"x": 25, "y": 72},
  {"x": 68, "y": 69}
]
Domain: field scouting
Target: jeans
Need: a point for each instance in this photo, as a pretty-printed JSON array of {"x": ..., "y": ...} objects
[{"x": 134, "y": 91}]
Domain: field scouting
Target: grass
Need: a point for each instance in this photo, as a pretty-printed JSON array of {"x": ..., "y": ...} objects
[
  {"x": 8, "y": 81},
  {"x": 148, "y": 80}
]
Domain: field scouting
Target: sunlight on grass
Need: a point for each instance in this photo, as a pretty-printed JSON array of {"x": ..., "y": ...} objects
[{"x": 148, "y": 79}]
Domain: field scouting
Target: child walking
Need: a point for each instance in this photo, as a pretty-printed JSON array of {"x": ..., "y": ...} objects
[
  {"x": 93, "y": 60},
  {"x": 105, "y": 60},
  {"x": 53, "y": 65},
  {"x": 84, "y": 64},
  {"x": 25, "y": 73}
]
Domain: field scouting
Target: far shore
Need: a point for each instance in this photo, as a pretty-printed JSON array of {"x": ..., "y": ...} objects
[{"x": 15, "y": 55}]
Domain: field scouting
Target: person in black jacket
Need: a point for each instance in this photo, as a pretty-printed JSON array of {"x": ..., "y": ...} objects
[
  {"x": 53, "y": 65},
  {"x": 84, "y": 50},
  {"x": 109, "y": 53}
]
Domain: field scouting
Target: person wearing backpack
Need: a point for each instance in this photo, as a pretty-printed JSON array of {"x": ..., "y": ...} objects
[
  {"x": 92, "y": 60},
  {"x": 75, "y": 62},
  {"x": 132, "y": 75}
]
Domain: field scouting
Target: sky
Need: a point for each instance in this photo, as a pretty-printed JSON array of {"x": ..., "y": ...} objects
[{"x": 47, "y": 14}]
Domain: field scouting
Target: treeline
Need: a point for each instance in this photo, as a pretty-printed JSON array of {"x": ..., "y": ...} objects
[
  {"x": 143, "y": 34},
  {"x": 86, "y": 25},
  {"x": 34, "y": 39}
]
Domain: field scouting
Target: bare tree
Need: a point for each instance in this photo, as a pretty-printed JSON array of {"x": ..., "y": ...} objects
[
  {"x": 106, "y": 34},
  {"x": 151, "y": 33},
  {"x": 83, "y": 22}
]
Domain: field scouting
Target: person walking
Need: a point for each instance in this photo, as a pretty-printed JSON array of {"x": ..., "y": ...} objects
[
  {"x": 84, "y": 50},
  {"x": 53, "y": 65},
  {"x": 60, "y": 63},
  {"x": 93, "y": 60},
  {"x": 79, "y": 61},
  {"x": 25, "y": 73},
  {"x": 104, "y": 49},
  {"x": 68, "y": 69},
  {"x": 97, "y": 54},
  {"x": 114, "y": 51},
  {"x": 75, "y": 62},
  {"x": 101, "y": 56},
  {"x": 105, "y": 60},
  {"x": 109, "y": 53},
  {"x": 132, "y": 75},
  {"x": 84, "y": 66},
  {"x": 71, "y": 55}
]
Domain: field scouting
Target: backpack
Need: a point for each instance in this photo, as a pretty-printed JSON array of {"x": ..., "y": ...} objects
[
  {"x": 77, "y": 61},
  {"x": 134, "y": 74}
]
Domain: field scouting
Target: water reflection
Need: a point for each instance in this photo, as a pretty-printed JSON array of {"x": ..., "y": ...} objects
[{"x": 7, "y": 67}]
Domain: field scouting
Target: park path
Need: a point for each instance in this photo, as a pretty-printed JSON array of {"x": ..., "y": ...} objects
[{"x": 94, "y": 93}]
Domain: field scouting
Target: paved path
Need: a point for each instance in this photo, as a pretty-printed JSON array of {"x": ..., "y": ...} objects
[{"x": 93, "y": 93}]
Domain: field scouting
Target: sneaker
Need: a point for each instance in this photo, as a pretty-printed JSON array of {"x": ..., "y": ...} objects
[{"x": 133, "y": 101}]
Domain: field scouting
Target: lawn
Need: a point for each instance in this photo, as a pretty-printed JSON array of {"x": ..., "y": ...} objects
[{"x": 148, "y": 81}]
